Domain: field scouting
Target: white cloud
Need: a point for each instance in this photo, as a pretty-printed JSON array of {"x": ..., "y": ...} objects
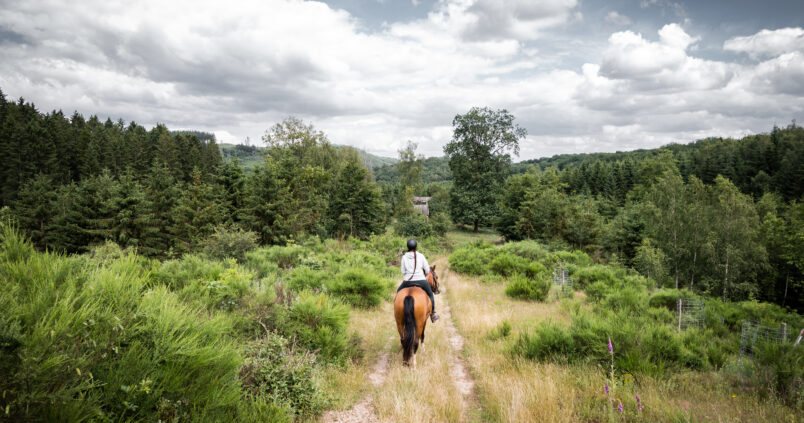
[
  {"x": 238, "y": 70},
  {"x": 617, "y": 19},
  {"x": 768, "y": 43}
]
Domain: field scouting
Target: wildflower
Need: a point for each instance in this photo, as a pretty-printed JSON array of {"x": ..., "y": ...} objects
[
  {"x": 620, "y": 407},
  {"x": 638, "y": 402},
  {"x": 606, "y": 388},
  {"x": 733, "y": 396},
  {"x": 611, "y": 348}
]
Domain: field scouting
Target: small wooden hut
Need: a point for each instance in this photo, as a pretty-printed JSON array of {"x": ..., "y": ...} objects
[{"x": 422, "y": 204}]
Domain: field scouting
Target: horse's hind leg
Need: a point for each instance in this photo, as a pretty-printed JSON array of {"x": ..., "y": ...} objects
[{"x": 421, "y": 341}]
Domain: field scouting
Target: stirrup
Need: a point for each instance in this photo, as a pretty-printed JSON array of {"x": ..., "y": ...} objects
[{"x": 434, "y": 317}]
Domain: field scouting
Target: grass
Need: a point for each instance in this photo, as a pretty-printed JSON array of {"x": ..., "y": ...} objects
[
  {"x": 458, "y": 236},
  {"x": 513, "y": 389}
]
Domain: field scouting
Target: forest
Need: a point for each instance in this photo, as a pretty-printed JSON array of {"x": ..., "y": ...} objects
[{"x": 115, "y": 237}]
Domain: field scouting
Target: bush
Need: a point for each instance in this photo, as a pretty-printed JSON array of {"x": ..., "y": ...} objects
[
  {"x": 177, "y": 274},
  {"x": 522, "y": 287},
  {"x": 286, "y": 376},
  {"x": 98, "y": 343},
  {"x": 668, "y": 298},
  {"x": 506, "y": 264},
  {"x": 586, "y": 276},
  {"x": 467, "y": 261},
  {"x": 359, "y": 287},
  {"x": 223, "y": 292},
  {"x": 319, "y": 323},
  {"x": 229, "y": 242},
  {"x": 440, "y": 223},
  {"x": 503, "y": 330},
  {"x": 305, "y": 278},
  {"x": 549, "y": 342},
  {"x": 530, "y": 250},
  {"x": 276, "y": 257},
  {"x": 413, "y": 225}
]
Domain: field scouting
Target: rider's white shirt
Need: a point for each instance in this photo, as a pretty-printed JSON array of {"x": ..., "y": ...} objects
[{"x": 421, "y": 269}]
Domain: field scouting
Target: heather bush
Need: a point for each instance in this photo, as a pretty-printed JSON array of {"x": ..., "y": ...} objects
[
  {"x": 525, "y": 288},
  {"x": 229, "y": 242},
  {"x": 359, "y": 287}
]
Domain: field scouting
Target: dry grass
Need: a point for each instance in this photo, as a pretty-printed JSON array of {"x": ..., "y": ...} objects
[
  {"x": 349, "y": 385},
  {"x": 512, "y": 389}
]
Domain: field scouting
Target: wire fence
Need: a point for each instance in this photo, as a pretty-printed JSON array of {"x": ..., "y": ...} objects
[
  {"x": 691, "y": 313},
  {"x": 754, "y": 332},
  {"x": 562, "y": 283}
]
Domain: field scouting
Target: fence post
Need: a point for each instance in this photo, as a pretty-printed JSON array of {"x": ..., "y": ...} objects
[
  {"x": 784, "y": 332},
  {"x": 679, "y": 314},
  {"x": 799, "y": 338}
]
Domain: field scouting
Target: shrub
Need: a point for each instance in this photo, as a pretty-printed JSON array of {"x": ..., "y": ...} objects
[
  {"x": 522, "y": 287},
  {"x": 468, "y": 261},
  {"x": 176, "y": 274},
  {"x": 413, "y": 225},
  {"x": 319, "y": 323},
  {"x": 586, "y": 276},
  {"x": 503, "y": 330},
  {"x": 223, "y": 292},
  {"x": 440, "y": 223},
  {"x": 597, "y": 291},
  {"x": 549, "y": 342},
  {"x": 302, "y": 278},
  {"x": 286, "y": 376},
  {"x": 266, "y": 259},
  {"x": 229, "y": 242},
  {"x": 530, "y": 250},
  {"x": 359, "y": 287},
  {"x": 87, "y": 343},
  {"x": 668, "y": 298},
  {"x": 628, "y": 299},
  {"x": 506, "y": 264}
]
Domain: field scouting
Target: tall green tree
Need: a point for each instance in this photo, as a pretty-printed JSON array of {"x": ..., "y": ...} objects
[
  {"x": 410, "y": 166},
  {"x": 356, "y": 207},
  {"x": 734, "y": 245},
  {"x": 196, "y": 214},
  {"x": 666, "y": 216},
  {"x": 479, "y": 160}
]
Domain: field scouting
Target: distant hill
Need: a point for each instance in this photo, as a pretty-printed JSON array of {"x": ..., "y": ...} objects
[{"x": 251, "y": 157}]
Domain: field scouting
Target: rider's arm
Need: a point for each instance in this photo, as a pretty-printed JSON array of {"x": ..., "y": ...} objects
[
  {"x": 425, "y": 265},
  {"x": 402, "y": 265}
]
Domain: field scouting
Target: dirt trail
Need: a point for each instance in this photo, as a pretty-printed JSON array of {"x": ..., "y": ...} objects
[
  {"x": 460, "y": 376},
  {"x": 363, "y": 411}
]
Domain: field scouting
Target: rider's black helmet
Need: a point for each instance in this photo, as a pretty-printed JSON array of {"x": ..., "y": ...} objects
[{"x": 412, "y": 244}]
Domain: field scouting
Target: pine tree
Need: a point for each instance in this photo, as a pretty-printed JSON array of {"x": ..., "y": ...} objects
[
  {"x": 34, "y": 208},
  {"x": 355, "y": 206},
  {"x": 161, "y": 194},
  {"x": 195, "y": 215}
]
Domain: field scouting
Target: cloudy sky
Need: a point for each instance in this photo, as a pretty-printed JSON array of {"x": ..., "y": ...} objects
[{"x": 579, "y": 75}]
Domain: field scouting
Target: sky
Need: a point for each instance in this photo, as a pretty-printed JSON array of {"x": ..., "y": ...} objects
[{"x": 578, "y": 75}]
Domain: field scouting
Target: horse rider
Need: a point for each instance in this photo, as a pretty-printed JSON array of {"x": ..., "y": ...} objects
[{"x": 414, "y": 270}]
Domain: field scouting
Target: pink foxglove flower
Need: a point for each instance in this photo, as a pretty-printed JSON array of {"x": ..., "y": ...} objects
[{"x": 611, "y": 348}]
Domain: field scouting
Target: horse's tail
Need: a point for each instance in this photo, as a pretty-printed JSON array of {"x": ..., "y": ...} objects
[{"x": 409, "y": 339}]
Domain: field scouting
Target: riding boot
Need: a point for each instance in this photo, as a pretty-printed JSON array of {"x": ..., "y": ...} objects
[{"x": 434, "y": 317}]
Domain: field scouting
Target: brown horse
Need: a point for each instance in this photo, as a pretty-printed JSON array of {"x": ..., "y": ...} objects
[{"x": 412, "y": 308}]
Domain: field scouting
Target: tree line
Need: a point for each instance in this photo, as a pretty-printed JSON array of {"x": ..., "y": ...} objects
[{"x": 71, "y": 183}]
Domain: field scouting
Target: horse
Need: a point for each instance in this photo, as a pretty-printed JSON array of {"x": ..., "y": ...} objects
[{"x": 412, "y": 308}]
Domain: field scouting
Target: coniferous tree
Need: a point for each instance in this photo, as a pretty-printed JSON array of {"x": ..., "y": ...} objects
[
  {"x": 195, "y": 215},
  {"x": 355, "y": 208},
  {"x": 34, "y": 208},
  {"x": 161, "y": 195}
]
